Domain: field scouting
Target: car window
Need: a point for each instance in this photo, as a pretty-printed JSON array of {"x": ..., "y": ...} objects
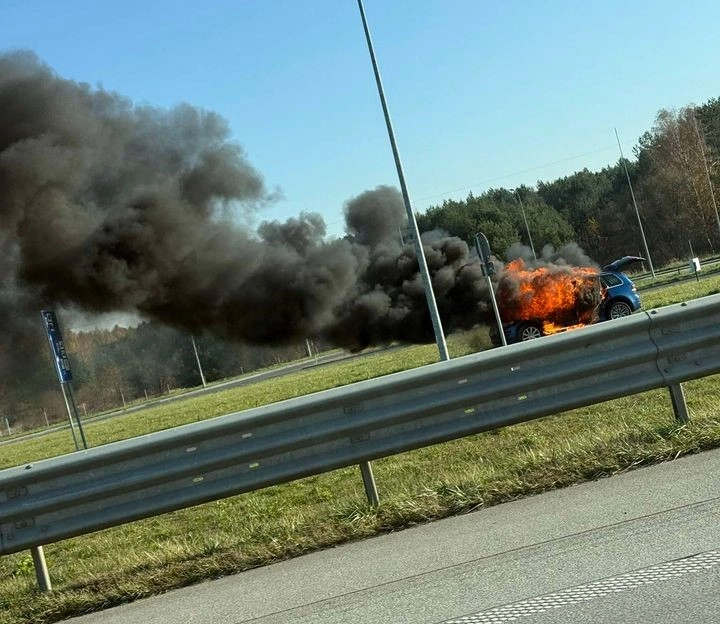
[{"x": 610, "y": 280}]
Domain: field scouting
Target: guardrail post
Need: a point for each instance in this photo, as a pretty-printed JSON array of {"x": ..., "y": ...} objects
[
  {"x": 677, "y": 395},
  {"x": 369, "y": 481},
  {"x": 41, "y": 571}
]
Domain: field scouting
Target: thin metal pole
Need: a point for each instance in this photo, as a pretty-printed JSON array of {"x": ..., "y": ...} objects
[
  {"x": 485, "y": 262},
  {"x": 41, "y": 570},
  {"x": 637, "y": 212},
  {"x": 498, "y": 319},
  {"x": 424, "y": 272},
  {"x": 677, "y": 396},
  {"x": 370, "y": 486},
  {"x": 70, "y": 402},
  {"x": 197, "y": 357},
  {"x": 310, "y": 351},
  {"x": 62, "y": 367},
  {"x": 707, "y": 169},
  {"x": 70, "y": 416},
  {"x": 527, "y": 229},
  {"x": 692, "y": 262}
]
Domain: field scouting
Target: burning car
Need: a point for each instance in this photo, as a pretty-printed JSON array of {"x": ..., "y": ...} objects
[{"x": 548, "y": 300}]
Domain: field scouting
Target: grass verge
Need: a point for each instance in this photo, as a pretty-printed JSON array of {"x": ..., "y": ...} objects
[{"x": 234, "y": 534}]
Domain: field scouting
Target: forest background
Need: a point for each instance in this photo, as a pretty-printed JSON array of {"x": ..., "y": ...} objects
[{"x": 671, "y": 179}]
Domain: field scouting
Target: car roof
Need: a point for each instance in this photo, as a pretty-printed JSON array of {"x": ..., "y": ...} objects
[{"x": 620, "y": 263}]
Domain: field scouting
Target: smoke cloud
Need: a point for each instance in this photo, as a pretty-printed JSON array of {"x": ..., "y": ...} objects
[{"x": 107, "y": 206}]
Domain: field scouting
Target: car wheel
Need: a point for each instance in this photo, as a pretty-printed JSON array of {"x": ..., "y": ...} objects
[
  {"x": 529, "y": 331},
  {"x": 618, "y": 309}
]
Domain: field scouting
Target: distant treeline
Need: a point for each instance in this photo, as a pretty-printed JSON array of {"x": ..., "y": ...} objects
[
  {"x": 668, "y": 176},
  {"x": 112, "y": 368}
]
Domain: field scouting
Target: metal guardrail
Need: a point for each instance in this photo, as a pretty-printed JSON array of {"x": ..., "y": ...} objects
[
  {"x": 680, "y": 269},
  {"x": 101, "y": 487}
]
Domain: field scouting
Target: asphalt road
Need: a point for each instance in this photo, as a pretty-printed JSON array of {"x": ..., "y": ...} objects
[{"x": 639, "y": 547}]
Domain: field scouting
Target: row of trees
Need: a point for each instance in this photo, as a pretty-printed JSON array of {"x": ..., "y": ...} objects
[
  {"x": 123, "y": 364},
  {"x": 672, "y": 178},
  {"x": 112, "y": 368}
]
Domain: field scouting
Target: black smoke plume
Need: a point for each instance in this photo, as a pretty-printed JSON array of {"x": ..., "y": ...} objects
[{"x": 107, "y": 206}]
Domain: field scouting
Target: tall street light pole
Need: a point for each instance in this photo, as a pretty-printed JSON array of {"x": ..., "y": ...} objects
[
  {"x": 637, "y": 212},
  {"x": 197, "y": 357},
  {"x": 527, "y": 229},
  {"x": 424, "y": 272},
  {"x": 707, "y": 169}
]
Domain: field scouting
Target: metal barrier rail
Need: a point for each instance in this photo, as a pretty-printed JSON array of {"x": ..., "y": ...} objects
[
  {"x": 109, "y": 485},
  {"x": 677, "y": 270}
]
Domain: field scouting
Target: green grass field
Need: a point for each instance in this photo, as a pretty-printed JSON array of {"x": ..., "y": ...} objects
[{"x": 224, "y": 537}]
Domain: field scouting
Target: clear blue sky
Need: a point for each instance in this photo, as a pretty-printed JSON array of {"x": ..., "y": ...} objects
[{"x": 482, "y": 93}]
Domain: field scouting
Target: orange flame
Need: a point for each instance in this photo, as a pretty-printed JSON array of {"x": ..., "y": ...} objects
[{"x": 560, "y": 297}]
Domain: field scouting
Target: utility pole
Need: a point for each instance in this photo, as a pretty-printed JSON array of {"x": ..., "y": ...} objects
[
  {"x": 197, "y": 358},
  {"x": 637, "y": 212},
  {"x": 527, "y": 229},
  {"x": 414, "y": 232},
  {"x": 707, "y": 169}
]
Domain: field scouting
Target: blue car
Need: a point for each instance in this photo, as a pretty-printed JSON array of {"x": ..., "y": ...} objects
[{"x": 619, "y": 298}]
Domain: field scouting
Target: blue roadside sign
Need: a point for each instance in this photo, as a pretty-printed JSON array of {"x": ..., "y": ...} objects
[{"x": 57, "y": 346}]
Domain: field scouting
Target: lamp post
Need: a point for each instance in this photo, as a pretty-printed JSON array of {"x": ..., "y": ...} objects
[
  {"x": 197, "y": 358},
  {"x": 527, "y": 229},
  {"x": 637, "y": 212},
  {"x": 422, "y": 262},
  {"x": 707, "y": 169}
]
